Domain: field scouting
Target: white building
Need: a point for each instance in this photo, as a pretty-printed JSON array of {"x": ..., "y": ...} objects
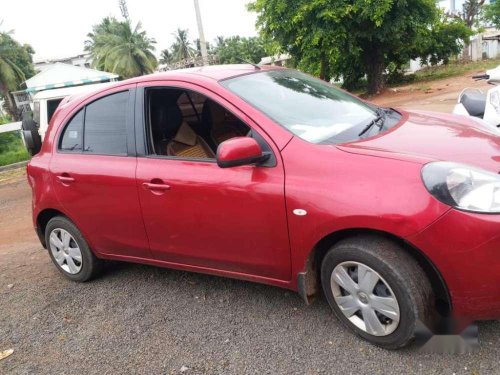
[
  {"x": 56, "y": 76},
  {"x": 83, "y": 60},
  {"x": 455, "y": 6}
]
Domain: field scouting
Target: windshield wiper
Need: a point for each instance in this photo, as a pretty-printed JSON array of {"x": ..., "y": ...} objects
[{"x": 379, "y": 121}]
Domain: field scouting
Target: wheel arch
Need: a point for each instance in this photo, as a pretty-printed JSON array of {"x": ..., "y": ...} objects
[
  {"x": 42, "y": 220},
  {"x": 308, "y": 281}
]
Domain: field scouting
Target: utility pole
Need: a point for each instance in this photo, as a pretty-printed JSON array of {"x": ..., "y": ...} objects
[
  {"x": 203, "y": 44},
  {"x": 124, "y": 9}
]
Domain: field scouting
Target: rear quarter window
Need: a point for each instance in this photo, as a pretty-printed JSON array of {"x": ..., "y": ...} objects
[{"x": 72, "y": 137}]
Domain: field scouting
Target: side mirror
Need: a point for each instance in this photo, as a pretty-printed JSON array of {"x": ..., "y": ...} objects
[{"x": 240, "y": 151}]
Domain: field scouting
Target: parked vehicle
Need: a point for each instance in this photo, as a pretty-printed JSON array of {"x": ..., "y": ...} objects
[
  {"x": 269, "y": 175},
  {"x": 45, "y": 103},
  {"x": 482, "y": 106}
]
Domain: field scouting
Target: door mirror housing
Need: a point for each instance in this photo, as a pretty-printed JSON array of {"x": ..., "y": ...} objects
[{"x": 240, "y": 151}]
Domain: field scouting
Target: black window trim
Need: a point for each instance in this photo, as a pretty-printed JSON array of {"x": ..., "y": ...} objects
[
  {"x": 142, "y": 133},
  {"x": 129, "y": 126}
]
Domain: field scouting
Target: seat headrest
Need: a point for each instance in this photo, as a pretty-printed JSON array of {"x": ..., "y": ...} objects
[
  {"x": 166, "y": 120},
  {"x": 173, "y": 121},
  {"x": 213, "y": 112},
  {"x": 186, "y": 135}
]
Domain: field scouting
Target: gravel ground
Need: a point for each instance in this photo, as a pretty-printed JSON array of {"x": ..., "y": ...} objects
[{"x": 146, "y": 320}]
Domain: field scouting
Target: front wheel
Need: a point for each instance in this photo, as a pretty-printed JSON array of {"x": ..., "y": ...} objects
[
  {"x": 69, "y": 251},
  {"x": 377, "y": 290}
]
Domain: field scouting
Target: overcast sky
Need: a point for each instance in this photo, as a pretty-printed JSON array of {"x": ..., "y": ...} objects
[{"x": 57, "y": 28}]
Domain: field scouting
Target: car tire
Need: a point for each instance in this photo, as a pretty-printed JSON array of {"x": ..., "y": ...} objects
[
  {"x": 69, "y": 251},
  {"x": 400, "y": 297}
]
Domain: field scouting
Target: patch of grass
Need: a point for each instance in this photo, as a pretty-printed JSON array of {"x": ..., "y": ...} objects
[
  {"x": 429, "y": 74},
  {"x": 4, "y": 120},
  {"x": 12, "y": 149},
  {"x": 424, "y": 87}
]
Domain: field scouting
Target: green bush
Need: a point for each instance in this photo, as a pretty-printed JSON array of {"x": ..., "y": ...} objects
[{"x": 12, "y": 149}]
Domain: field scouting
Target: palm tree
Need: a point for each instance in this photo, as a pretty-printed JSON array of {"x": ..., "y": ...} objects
[
  {"x": 197, "y": 43},
  {"x": 182, "y": 49},
  {"x": 11, "y": 76},
  {"x": 118, "y": 48},
  {"x": 166, "y": 57},
  {"x": 220, "y": 41}
]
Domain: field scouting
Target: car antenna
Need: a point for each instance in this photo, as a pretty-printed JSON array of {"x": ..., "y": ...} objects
[{"x": 248, "y": 62}]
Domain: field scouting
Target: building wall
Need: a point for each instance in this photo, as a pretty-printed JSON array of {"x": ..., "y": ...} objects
[
  {"x": 454, "y": 6},
  {"x": 83, "y": 61}
]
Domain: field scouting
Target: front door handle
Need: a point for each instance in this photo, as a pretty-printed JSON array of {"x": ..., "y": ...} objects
[{"x": 155, "y": 186}]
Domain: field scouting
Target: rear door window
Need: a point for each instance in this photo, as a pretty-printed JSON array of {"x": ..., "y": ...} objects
[{"x": 105, "y": 130}]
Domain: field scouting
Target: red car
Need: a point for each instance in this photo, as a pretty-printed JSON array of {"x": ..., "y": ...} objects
[{"x": 269, "y": 175}]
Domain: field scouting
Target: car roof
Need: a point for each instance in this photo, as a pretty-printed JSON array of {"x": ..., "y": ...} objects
[
  {"x": 212, "y": 72},
  {"x": 216, "y": 72}
]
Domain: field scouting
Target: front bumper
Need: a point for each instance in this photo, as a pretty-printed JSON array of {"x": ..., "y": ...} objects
[{"x": 465, "y": 248}]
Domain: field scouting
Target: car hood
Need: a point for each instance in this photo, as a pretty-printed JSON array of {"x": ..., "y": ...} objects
[{"x": 427, "y": 136}]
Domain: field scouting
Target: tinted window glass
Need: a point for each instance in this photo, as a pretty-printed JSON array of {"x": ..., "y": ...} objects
[
  {"x": 72, "y": 139},
  {"x": 191, "y": 109},
  {"x": 105, "y": 125}
]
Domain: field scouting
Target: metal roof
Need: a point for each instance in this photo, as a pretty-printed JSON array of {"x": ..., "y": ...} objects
[
  {"x": 66, "y": 75},
  {"x": 67, "y": 91}
]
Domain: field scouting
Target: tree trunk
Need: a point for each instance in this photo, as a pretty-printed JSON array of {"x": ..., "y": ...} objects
[
  {"x": 465, "y": 53},
  {"x": 375, "y": 65},
  {"x": 323, "y": 68},
  {"x": 10, "y": 104}
]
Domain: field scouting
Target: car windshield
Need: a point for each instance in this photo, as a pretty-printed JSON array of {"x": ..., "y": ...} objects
[{"x": 310, "y": 108}]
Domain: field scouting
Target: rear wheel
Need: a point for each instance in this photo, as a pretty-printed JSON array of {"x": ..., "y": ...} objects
[
  {"x": 377, "y": 290},
  {"x": 69, "y": 251}
]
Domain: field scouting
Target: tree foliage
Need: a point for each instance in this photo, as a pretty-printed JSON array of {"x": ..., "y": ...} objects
[
  {"x": 166, "y": 57},
  {"x": 117, "y": 47},
  {"x": 197, "y": 43},
  {"x": 441, "y": 41},
  {"x": 354, "y": 38},
  {"x": 16, "y": 65},
  {"x": 492, "y": 13},
  {"x": 235, "y": 49},
  {"x": 229, "y": 50},
  {"x": 181, "y": 49}
]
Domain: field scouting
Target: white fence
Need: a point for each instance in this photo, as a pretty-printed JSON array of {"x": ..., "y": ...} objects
[{"x": 13, "y": 126}]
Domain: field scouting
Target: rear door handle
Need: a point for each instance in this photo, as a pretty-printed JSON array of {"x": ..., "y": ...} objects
[
  {"x": 65, "y": 179},
  {"x": 153, "y": 186}
]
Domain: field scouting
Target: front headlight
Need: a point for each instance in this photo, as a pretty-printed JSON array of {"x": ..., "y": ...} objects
[{"x": 462, "y": 186}]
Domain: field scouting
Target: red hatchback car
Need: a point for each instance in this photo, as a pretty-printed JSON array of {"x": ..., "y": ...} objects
[{"x": 269, "y": 175}]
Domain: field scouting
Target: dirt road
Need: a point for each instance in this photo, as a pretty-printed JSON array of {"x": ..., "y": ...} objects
[
  {"x": 138, "y": 319},
  {"x": 439, "y": 96}
]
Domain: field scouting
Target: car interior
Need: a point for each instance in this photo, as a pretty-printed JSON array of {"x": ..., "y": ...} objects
[{"x": 186, "y": 124}]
